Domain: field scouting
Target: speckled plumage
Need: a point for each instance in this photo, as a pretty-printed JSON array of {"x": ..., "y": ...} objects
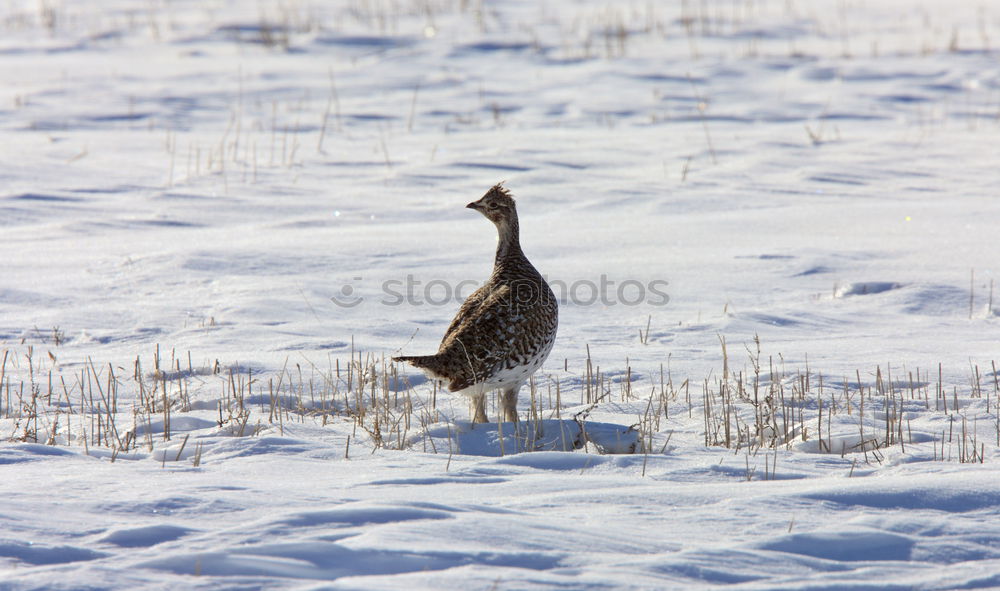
[{"x": 505, "y": 330}]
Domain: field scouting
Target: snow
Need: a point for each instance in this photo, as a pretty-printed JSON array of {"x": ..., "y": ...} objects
[{"x": 245, "y": 208}]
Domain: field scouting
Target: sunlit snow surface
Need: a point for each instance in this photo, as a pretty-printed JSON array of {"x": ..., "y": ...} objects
[{"x": 208, "y": 177}]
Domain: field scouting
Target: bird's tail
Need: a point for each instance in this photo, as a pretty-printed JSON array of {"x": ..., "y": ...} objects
[
  {"x": 428, "y": 363},
  {"x": 421, "y": 361},
  {"x": 408, "y": 358}
]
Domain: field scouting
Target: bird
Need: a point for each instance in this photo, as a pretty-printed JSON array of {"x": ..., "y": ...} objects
[{"x": 504, "y": 331}]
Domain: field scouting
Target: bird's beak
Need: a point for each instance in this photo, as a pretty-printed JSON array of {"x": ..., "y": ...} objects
[{"x": 474, "y": 205}]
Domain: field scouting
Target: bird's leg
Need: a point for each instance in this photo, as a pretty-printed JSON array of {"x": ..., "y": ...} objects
[
  {"x": 479, "y": 408},
  {"x": 508, "y": 404}
]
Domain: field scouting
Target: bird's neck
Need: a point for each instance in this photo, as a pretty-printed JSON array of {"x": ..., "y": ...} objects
[{"x": 508, "y": 243}]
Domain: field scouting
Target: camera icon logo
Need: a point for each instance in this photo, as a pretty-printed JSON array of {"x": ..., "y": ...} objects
[{"x": 347, "y": 298}]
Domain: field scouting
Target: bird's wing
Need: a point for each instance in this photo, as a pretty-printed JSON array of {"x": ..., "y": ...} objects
[
  {"x": 479, "y": 338},
  {"x": 470, "y": 309}
]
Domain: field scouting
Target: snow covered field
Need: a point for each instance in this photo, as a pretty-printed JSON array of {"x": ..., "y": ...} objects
[{"x": 772, "y": 224}]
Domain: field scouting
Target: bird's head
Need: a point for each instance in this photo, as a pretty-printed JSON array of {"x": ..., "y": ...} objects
[{"x": 497, "y": 205}]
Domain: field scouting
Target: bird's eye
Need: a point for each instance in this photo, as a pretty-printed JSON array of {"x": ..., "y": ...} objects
[{"x": 492, "y": 205}]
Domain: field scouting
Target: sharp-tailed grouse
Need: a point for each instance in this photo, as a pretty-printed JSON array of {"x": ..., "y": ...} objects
[{"x": 504, "y": 331}]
